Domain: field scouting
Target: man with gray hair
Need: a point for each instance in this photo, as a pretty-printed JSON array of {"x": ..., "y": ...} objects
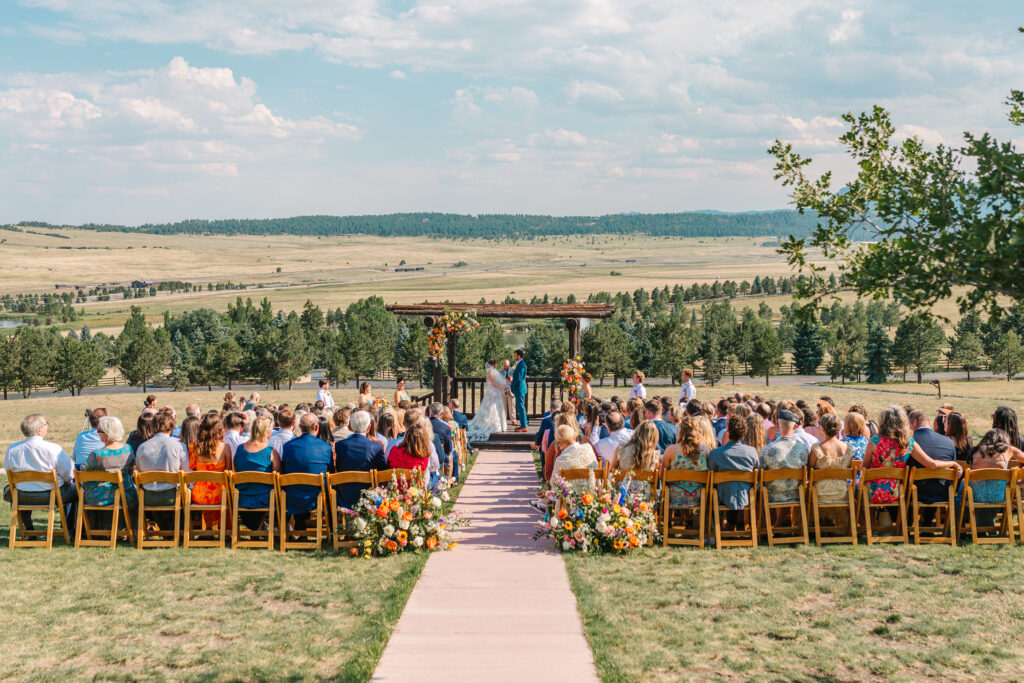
[
  {"x": 192, "y": 410},
  {"x": 443, "y": 431},
  {"x": 35, "y": 454},
  {"x": 357, "y": 453}
]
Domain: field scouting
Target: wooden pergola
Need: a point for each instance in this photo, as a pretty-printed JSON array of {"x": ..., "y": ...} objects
[{"x": 572, "y": 314}]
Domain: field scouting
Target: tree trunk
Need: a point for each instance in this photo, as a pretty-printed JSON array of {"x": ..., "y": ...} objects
[
  {"x": 919, "y": 378},
  {"x": 766, "y": 380},
  {"x": 968, "y": 369}
]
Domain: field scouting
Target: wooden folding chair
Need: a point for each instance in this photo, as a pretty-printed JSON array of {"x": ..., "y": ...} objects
[
  {"x": 214, "y": 538},
  {"x": 1003, "y": 530},
  {"x": 675, "y": 531},
  {"x": 797, "y": 533},
  {"x": 874, "y": 474},
  {"x": 284, "y": 482},
  {"x": 834, "y": 474},
  {"x": 735, "y": 538},
  {"x": 947, "y": 533},
  {"x": 582, "y": 474},
  {"x": 102, "y": 537},
  {"x": 1019, "y": 493},
  {"x": 253, "y": 538},
  {"x": 165, "y": 538},
  {"x": 383, "y": 477},
  {"x": 341, "y": 534},
  {"x": 17, "y": 506}
]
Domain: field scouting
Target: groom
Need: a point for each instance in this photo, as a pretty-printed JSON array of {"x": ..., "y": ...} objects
[{"x": 518, "y": 385}]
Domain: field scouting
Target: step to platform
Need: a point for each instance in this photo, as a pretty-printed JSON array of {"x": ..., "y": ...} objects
[{"x": 508, "y": 441}]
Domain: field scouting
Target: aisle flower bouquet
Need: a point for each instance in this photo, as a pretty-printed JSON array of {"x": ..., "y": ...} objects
[
  {"x": 599, "y": 519},
  {"x": 452, "y": 322},
  {"x": 572, "y": 378},
  {"x": 380, "y": 402},
  {"x": 403, "y": 516}
]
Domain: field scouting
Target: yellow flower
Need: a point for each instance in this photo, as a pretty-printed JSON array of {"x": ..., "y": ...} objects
[{"x": 568, "y": 525}]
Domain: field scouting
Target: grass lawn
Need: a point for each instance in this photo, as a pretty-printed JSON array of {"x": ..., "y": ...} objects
[
  {"x": 197, "y": 614},
  {"x": 803, "y": 613}
]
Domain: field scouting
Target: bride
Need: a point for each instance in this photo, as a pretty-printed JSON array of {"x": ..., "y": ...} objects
[{"x": 490, "y": 416}]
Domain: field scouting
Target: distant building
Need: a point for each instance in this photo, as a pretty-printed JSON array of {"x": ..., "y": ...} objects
[
  {"x": 139, "y": 284},
  {"x": 408, "y": 269}
]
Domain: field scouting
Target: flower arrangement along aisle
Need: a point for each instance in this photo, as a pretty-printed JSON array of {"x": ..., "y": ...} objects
[
  {"x": 403, "y": 516},
  {"x": 452, "y": 322},
  {"x": 599, "y": 519},
  {"x": 572, "y": 378}
]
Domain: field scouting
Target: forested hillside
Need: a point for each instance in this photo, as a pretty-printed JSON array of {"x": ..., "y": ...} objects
[{"x": 493, "y": 226}]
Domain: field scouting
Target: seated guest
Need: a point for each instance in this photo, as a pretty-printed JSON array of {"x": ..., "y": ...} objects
[
  {"x": 283, "y": 433},
  {"x": 340, "y": 422},
  {"x": 253, "y": 402},
  {"x": 413, "y": 453},
  {"x": 892, "y": 447},
  {"x": 734, "y": 456},
  {"x": 443, "y": 431},
  {"x": 801, "y": 433},
  {"x": 357, "y": 453},
  {"x": 387, "y": 427},
  {"x": 162, "y": 453},
  {"x": 594, "y": 427},
  {"x": 785, "y": 452},
  {"x": 994, "y": 451},
  {"x": 324, "y": 431},
  {"x": 188, "y": 432},
  {"x": 233, "y": 423},
  {"x": 721, "y": 418},
  {"x": 572, "y": 455},
  {"x": 938, "y": 447},
  {"x": 667, "y": 433},
  {"x": 956, "y": 429},
  {"x": 639, "y": 453},
  {"x": 209, "y": 453},
  {"x": 618, "y": 434},
  {"x": 113, "y": 456},
  {"x": 563, "y": 419},
  {"x": 855, "y": 435},
  {"x": 832, "y": 453},
  {"x": 690, "y": 452},
  {"x": 255, "y": 455},
  {"x": 459, "y": 417},
  {"x": 1005, "y": 418},
  {"x": 305, "y": 454},
  {"x": 35, "y": 454},
  {"x": 88, "y": 441},
  {"x": 145, "y": 428}
]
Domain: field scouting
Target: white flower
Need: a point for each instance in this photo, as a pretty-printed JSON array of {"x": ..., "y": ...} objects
[
  {"x": 389, "y": 531},
  {"x": 600, "y": 526},
  {"x": 435, "y": 502},
  {"x": 445, "y": 497},
  {"x": 360, "y": 523},
  {"x": 403, "y": 524},
  {"x": 417, "y": 541},
  {"x": 566, "y": 545}
]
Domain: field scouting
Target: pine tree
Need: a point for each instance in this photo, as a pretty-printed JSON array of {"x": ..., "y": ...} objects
[
  {"x": 369, "y": 336},
  {"x": 1008, "y": 355},
  {"x": 845, "y": 348},
  {"x": 765, "y": 352},
  {"x": 77, "y": 364},
  {"x": 34, "y": 353},
  {"x": 8, "y": 357},
  {"x": 966, "y": 348},
  {"x": 181, "y": 365},
  {"x": 878, "y": 365},
  {"x": 808, "y": 348},
  {"x": 918, "y": 344},
  {"x": 711, "y": 359},
  {"x": 141, "y": 354}
]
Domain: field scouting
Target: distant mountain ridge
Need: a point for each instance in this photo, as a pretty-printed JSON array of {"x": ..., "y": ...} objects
[{"x": 778, "y": 223}]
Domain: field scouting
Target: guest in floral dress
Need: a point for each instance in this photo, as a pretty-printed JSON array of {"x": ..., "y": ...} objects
[
  {"x": 891, "y": 447},
  {"x": 690, "y": 452},
  {"x": 115, "y": 455},
  {"x": 640, "y": 453},
  {"x": 209, "y": 453},
  {"x": 785, "y": 452},
  {"x": 572, "y": 455}
]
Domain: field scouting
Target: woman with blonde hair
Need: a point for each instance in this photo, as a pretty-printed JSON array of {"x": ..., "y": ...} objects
[
  {"x": 561, "y": 419},
  {"x": 256, "y": 455},
  {"x": 572, "y": 455},
  {"x": 640, "y": 453},
  {"x": 831, "y": 453},
  {"x": 855, "y": 435},
  {"x": 690, "y": 452},
  {"x": 755, "y": 437}
]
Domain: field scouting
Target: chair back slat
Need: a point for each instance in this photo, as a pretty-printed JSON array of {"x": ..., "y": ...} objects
[
  {"x": 28, "y": 476},
  {"x": 876, "y": 473},
  {"x": 350, "y": 478},
  {"x": 691, "y": 476},
  {"x": 269, "y": 478},
  {"x": 381, "y": 477},
  {"x": 734, "y": 476},
  {"x": 798, "y": 473},
  {"x": 617, "y": 476},
  {"x": 208, "y": 477},
  {"x": 157, "y": 478},
  {"x": 833, "y": 473},
  {"x": 90, "y": 476},
  {"x": 921, "y": 474},
  {"x": 991, "y": 474}
]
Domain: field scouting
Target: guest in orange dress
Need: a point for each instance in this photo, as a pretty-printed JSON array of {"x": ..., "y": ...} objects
[{"x": 209, "y": 453}]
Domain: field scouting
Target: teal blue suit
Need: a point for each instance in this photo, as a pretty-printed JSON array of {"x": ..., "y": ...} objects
[{"x": 519, "y": 391}]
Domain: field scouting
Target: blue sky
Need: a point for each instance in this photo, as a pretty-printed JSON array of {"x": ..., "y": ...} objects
[{"x": 134, "y": 111}]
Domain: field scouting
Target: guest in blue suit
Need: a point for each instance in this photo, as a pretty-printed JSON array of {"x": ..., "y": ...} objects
[
  {"x": 305, "y": 455},
  {"x": 459, "y": 417},
  {"x": 357, "y": 453},
  {"x": 443, "y": 432},
  {"x": 518, "y": 386},
  {"x": 667, "y": 433}
]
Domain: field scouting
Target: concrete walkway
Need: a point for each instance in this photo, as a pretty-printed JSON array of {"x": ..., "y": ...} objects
[{"x": 498, "y": 607}]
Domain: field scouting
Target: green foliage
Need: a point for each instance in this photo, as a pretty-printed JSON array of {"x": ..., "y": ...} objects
[
  {"x": 369, "y": 336},
  {"x": 877, "y": 367},
  {"x": 918, "y": 344},
  {"x": 846, "y": 342},
  {"x": 77, "y": 364},
  {"x": 547, "y": 347},
  {"x": 33, "y": 359},
  {"x": 1008, "y": 355},
  {"x": 8, "y": 358},
  {"x": 142, "y": 353},
  {"x": 966, "y": 347},
  {"x": 674, "y": 348},
  {"x": 606, "y": 349},
  {"x": 765, "y": 350},
  {"x": 808, "y": 347},
  {"x": 938, "y": 219}
]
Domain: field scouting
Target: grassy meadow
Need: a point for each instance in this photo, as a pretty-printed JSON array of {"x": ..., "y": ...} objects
[{"x": 804, "y": 613}]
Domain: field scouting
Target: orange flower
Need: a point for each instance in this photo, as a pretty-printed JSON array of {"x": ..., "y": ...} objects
[
  {"x": 643, "y": 506},
  {"x": 634, "y": 541},
  {"x": 395, "y": 505},
  {"x": 588, "y": 499},
  {"x": 563, "y": 513},
  {"x": 431, "y": 543},
  {"x": 354, "y": 552},
  {"x": 407, "y": 516},
  {"x": 391, "y": 545}
]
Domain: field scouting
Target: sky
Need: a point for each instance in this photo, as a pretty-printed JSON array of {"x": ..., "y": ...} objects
[{"x": 134, "y": 111}]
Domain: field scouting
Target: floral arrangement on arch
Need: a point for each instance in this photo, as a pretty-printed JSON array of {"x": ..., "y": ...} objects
[
  {"x": 599, "y": 519},
  {"x": 452, "y": 322},
  {"x": 572, "y": 378},
  {"x": 380, "y": 402},
  {"x": 405, "y": 516}
]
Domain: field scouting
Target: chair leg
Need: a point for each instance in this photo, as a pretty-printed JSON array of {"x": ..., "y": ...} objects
[
  {"x": 753, "y": 520},
  {"x": 79, "y": 518},
  {"x": 817, "y": 515},
  {"x": 234, "y": 519},
  {"x": 115, "y": 519},
  {"x": 702, "y": 521},
  {"x": 803, "y": 514},
  {"x": 903, "y": 515},
  {"x": 867, "y": 517},
  {"x": 768, "y": 521},
  {"x": 718, "y": 522},
  {"x": 970, "y": 514},
  {"x": 49, "y": 522},
  {"x": 272, "y": 499},
  {"x": 916, "y": 511}
]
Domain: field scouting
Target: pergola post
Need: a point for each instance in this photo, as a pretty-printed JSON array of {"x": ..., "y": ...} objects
[
  {"x": 430, "y": 321},
  {"x": 451, "y": 390},
  {"x": 573, "y": 326}
]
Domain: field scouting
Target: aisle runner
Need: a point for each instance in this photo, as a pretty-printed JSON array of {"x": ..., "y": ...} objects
[{"x": 498, "y": 607}]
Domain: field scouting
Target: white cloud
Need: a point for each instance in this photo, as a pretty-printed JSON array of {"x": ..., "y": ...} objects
[
  {"x": 849, "y": 26},
  {"x": 398, "y": 75},
  {"x": 470, "y": 102},
  {"x": 557, "y": 138},
  {"x": 591, "y": 92},
  {"x": 928, "y": 136}
]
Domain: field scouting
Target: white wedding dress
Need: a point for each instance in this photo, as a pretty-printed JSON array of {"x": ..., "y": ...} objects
[{"x": 490, "y": 415}]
